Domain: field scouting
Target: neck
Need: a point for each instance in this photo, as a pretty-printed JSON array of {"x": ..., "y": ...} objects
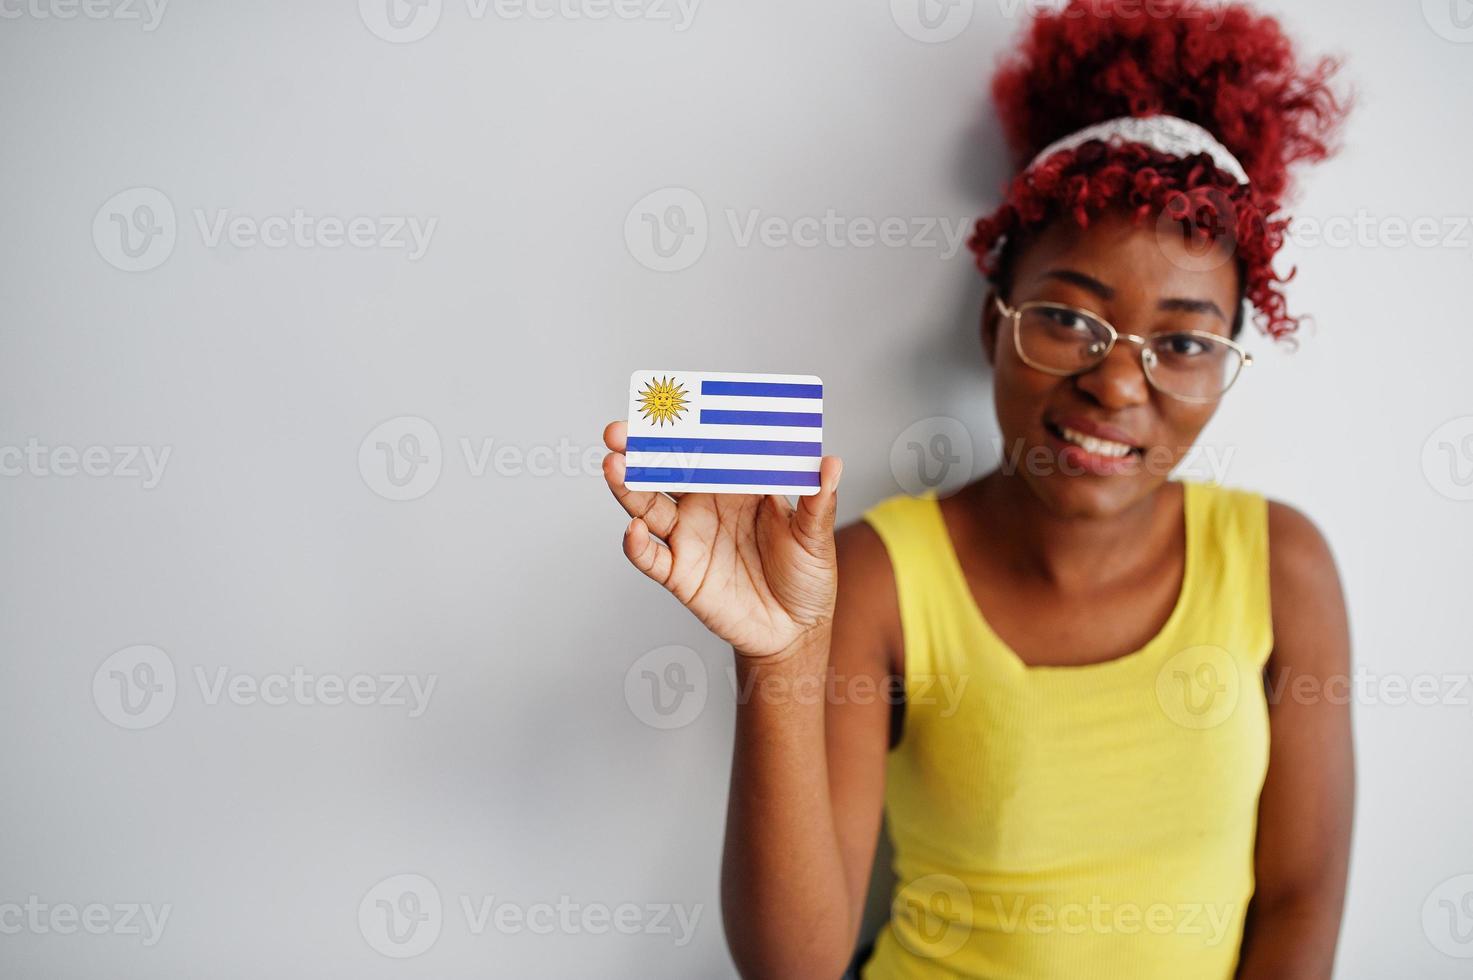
[{"x": 1070, "y": 552}]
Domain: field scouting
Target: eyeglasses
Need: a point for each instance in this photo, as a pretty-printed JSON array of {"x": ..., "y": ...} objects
[{"x": 1192, "y": 365}]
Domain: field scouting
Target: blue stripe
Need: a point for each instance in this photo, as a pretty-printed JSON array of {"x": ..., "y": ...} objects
[
  {"x": 770, "y": 478},
  {"x": 770, "y": 389},
  {"x": 753, "y": 447},
  {"x": 718, "y": 416}
]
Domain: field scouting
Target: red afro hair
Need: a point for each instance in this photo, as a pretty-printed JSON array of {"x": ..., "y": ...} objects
[{"x": 1227, "y": 69}]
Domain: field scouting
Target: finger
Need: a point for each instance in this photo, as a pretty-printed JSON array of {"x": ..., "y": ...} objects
[
  {"x": 814, "y": 519},
  {"x": 648, "y": 553},
  {"x": 657, "y": 510},
  {"x": 779, "y": 505},
  {"x": 616, "y": 434}
]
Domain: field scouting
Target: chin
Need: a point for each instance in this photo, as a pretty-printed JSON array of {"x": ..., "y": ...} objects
[{"x": 1090, "y": 495}]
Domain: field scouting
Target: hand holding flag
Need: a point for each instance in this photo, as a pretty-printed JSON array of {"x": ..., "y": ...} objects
[{"x": 757, "y": 571}]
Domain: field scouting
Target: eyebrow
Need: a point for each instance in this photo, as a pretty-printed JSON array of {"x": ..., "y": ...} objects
[{"x": 1093, "y": 285}]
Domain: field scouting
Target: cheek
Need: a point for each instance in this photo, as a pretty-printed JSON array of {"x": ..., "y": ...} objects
[
  {"x": 1182, "y": 424},
  {"x": 1020, "y": 392}
]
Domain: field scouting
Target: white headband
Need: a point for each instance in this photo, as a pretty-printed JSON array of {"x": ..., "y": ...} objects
[{"x": 1171, "y": 135}]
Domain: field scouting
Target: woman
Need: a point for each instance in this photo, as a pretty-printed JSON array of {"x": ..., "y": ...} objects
[{"x": 1087, "y": 775}]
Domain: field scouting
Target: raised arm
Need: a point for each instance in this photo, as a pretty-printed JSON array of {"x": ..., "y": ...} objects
[{"x": 812, "y": 620}]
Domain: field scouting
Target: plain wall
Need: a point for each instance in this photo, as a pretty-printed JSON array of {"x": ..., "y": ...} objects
[{"x": 537, "y": 771}]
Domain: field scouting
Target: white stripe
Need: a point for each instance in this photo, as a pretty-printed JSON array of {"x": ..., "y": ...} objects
[
  {"x": 725, "y": 488},
  {"x": 723, "y": 461},
  {"x": 717, "y": 430},
  {"x": 758, "y": 403}
]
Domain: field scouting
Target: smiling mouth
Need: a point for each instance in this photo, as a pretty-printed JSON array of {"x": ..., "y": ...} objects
[{"x": 1093, "y": 444}]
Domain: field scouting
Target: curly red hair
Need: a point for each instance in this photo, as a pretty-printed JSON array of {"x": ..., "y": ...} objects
[{"x": 1227, "y": 69}]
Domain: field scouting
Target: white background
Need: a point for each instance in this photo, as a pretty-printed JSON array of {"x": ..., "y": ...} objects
[{"x": 535, "y": 773}]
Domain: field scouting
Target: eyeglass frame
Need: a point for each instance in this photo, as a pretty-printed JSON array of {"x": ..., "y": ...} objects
[{"x": 1015, "y": 314}]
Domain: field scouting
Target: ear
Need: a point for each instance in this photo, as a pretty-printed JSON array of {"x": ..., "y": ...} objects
[{"x": 991, "y": 319}]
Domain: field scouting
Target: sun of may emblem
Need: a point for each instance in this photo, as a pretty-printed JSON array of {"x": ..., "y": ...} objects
[{"x": 662, "y": 401}]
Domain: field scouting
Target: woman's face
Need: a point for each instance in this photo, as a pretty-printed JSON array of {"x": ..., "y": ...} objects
[{"x": 1141, "y": 283}]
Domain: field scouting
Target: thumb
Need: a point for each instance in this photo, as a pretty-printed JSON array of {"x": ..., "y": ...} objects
[{"x": 813, "y": 521}]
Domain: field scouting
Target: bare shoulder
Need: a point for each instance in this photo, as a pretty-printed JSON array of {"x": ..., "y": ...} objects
[
  {"x": 867, "y": 613},
  {"x": 1309, "y": 615},
  {"x": 1299, "y": 555}
]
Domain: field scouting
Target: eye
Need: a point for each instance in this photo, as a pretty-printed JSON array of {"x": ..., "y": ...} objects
[
  {"x": 1067, "y": 319},
  {"x": 1183, "y": 345}
]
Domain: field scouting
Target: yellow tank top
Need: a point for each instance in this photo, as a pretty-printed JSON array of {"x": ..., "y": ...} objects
[{"x": 1072, "y": 822}]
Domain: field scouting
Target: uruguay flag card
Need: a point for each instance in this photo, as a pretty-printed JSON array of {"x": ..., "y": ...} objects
[{"x": 708, "y": 432}]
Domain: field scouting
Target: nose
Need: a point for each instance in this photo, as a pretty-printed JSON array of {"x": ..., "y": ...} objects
[{"x": 1119, "y": 381}]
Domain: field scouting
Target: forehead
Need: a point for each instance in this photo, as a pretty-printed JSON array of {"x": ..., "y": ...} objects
[{"x": 1141, "y": 261}]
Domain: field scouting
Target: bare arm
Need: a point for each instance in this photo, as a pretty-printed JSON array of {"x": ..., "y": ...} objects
[
  {"x": 800, "y": 609},
  {"x": 1304, "y": 814},
  {"x": 808, "y": 781}
]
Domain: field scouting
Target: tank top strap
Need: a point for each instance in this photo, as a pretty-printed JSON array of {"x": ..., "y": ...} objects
[
  {"x": 914, "y": 537},
  {"x": 1231, "y": 531}
]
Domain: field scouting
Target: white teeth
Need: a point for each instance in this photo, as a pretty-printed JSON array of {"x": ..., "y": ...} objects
[{"x": 1091, "y": 444}]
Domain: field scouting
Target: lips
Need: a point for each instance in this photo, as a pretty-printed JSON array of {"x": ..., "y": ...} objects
[{"x": 1094, "y": 447}]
